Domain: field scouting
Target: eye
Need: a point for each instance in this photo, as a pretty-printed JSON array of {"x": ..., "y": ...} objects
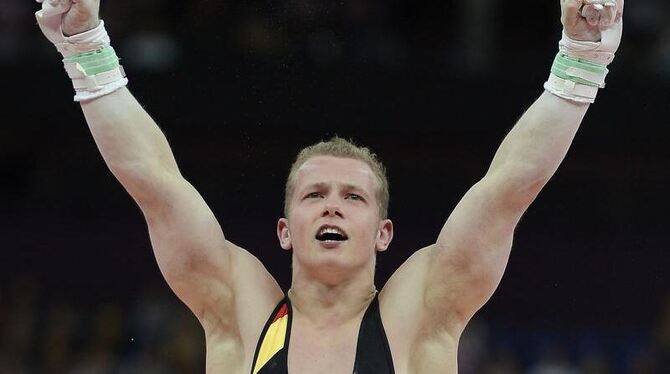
[
  {"x": 353, "y": 196},
  {"x": 313, "y": 195}
]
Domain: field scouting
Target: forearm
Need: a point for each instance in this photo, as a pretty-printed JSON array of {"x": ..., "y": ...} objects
[
  {"x": 473, "y": 248},
  {"x": 533, "y": 150},
  {"x": 535, "y": 147},
  {"x": 131, "y": 143}
]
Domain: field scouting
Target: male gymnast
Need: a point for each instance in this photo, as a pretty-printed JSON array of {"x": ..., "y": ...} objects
[{"x": 332, "y": 319}]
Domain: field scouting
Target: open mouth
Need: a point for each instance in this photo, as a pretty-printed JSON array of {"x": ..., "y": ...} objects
[{"x": 329, "y": 233}]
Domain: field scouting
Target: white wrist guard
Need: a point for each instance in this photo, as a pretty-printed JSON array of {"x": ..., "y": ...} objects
[
  {"x": 89, "y": 59},
  {"x": 580, "y": 67},
  {"x": 575, "y": 78}
]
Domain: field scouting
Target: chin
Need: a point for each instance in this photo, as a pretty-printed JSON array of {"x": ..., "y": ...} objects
[{"x": 334, "y": 262}]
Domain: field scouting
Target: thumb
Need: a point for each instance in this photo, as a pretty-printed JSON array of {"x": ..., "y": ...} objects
[
  {"x": 570, "y": 12},
  {"x": 54, "y": 7}
]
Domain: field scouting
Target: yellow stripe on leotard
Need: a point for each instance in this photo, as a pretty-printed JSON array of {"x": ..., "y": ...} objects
[{"x": 274, "y": 339}]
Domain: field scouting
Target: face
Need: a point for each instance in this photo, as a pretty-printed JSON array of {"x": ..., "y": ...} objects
[{"x": 334, "y": 218}]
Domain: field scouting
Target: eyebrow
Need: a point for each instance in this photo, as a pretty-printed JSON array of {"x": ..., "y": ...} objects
[{"x": 346, "y": 186}]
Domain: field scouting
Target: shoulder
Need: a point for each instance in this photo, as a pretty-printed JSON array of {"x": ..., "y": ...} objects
[
  {"x": 411, "y": 327},
  {"x": 236, "y": 315}
]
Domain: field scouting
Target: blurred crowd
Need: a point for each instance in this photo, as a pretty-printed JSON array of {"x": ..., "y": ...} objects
[
  {"x": 154, "y": 333},
  {"x": 42, "y": 334}
]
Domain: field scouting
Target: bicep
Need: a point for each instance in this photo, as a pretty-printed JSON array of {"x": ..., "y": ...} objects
[
  {"x": 472, "y": 250},
  {"x": 207, "y": 272},
  {"x": 441, "y": 286},
  {"x": 186, "y": 240}
]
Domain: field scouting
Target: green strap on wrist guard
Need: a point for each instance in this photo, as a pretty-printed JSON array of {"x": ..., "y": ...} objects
[
  {"x": 94, "y": 62},
  {"x": 579, "y": 70}
]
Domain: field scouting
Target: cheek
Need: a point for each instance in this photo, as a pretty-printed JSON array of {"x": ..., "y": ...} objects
[
  {"x": 298, "y": 228},
  {"x": 366, "y": 231}
]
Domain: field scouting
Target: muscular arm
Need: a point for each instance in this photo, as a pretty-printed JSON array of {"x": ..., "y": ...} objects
[
  {"x": 199, "y": 264},
  {"x": 473, "y": 247},
  {"x": 138, "y": 154},
  {"x": 132, "y": 145},
  {"x": 460, "y": 272},
  {"x": 205, "y": 270},
  {"x": 471, "y": 253}
]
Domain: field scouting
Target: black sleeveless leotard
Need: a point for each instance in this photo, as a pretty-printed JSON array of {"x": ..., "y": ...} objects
[{"x": 373, "y": 355}]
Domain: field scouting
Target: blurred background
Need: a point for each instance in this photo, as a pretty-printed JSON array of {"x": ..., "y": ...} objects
[{"x": 240, "y": 87}]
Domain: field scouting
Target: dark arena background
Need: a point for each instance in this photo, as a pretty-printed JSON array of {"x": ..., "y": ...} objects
[{"x": 239, "y": 87}]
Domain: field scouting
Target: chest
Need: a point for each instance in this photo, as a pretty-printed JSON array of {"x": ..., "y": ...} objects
[{"x": 313, "y": 350}]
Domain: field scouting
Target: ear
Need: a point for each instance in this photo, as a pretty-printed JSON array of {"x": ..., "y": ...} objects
[
  {"x": 384, "y": 235},
  {"x": 283, "y": 234}
]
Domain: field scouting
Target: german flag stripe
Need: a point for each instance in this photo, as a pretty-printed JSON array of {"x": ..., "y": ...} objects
[{"x": 274, "y": 338}]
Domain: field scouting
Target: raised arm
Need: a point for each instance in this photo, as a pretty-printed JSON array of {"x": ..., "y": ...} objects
[
  {"x": 472, "y": 250},
  {"x": 200, "y": 265},
  {"x": 460, "y": 272}
]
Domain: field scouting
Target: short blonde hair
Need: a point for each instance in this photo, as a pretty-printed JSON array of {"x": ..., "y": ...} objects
[{"x": 343, "y": 148}]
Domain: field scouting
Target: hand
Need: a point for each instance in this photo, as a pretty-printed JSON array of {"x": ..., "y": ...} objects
[
  {"x": 592, "y": 32},
  {"x": 77, "y": 15},
  {"x": 587, "y": 20}
]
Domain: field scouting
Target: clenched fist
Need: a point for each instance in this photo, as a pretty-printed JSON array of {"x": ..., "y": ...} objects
[
  {"x": 77, "y": 32},
  {"x": 77, "y": 15},
  {"x": 586, "y": 20}
]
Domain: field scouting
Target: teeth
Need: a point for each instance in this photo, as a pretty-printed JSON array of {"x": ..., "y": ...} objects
[{"x": 330, "y": 230}]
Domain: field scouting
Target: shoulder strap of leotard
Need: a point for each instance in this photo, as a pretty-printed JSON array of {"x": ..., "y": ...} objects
[{"x": 273, "y": 339}]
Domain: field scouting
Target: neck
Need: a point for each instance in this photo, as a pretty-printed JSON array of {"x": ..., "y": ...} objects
[{"x": 327, "y": 304}]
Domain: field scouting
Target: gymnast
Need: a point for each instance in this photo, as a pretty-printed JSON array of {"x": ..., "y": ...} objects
[{"x": 332, "y": 319}]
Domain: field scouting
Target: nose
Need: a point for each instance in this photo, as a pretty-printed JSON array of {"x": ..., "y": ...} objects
[{"x": 331, "y": 210}]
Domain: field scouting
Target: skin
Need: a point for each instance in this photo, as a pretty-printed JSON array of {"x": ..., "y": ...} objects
[
  {"x": 340, "y": 192},
  {"x": 332, "y": 282},
  {"x": 427, "y": 302},
  {"x": 83, "y": 16}
]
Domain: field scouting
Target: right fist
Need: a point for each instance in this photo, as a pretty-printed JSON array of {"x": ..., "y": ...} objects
[
  {"x": 77, "y": 15},
  {"x": 75, "y": 29}
]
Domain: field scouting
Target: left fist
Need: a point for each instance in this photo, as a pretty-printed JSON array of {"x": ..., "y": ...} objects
[{"x": 588, "y": 20}]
